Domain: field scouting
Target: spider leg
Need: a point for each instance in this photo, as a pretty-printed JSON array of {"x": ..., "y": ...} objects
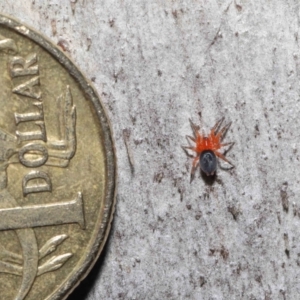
[
  {"x": 190, "y": 137},
  {"x": 195, "y": 128},
  {"x": 223, "y": 157},
  {"x": 226, "y": 144},
  {"x": 223, "y": 131},
  {"x": 185, "y": 148},
  {"x": 228, "y": 149},
  {"x": 194, "y": 167},
  {"x": 189, "y": 147},
  {"x": 217, "y": 126}
]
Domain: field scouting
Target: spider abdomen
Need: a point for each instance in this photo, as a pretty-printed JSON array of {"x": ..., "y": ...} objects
[{"x": 208, "y": 162}]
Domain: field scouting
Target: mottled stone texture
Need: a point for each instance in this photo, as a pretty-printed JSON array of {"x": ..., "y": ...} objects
[{"x": 156, "y": 64}]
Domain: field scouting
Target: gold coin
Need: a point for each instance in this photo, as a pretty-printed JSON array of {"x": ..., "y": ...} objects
[{"x": 57, "y": 169}]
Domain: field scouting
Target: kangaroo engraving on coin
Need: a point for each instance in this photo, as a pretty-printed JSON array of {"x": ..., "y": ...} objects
[{"x": 57, "y": 169}]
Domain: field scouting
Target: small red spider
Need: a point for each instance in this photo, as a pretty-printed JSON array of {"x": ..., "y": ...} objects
[{"x": 207, "y": 148}]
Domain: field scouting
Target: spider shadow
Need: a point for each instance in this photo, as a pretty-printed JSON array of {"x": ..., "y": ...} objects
[{"x": 209, "y": 180}]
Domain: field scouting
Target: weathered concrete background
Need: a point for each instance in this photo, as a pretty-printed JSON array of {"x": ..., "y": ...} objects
[{"x": 156, "y": 64}]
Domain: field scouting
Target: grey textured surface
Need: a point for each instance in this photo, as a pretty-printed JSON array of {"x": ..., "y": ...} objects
[{"x": 156, "y": 64}]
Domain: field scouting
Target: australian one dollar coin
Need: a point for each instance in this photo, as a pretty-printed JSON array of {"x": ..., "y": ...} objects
[{"x": 57, "y": 169}]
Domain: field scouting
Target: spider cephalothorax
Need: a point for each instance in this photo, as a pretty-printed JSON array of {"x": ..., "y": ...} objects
[{"x": 207, "y": 148}]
